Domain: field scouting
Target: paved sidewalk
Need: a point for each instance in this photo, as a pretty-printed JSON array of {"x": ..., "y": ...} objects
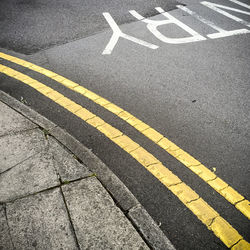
[{"x": 50, "y": 200}]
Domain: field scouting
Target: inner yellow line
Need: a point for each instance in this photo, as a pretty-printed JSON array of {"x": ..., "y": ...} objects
[
  {"x": 204, "y": 212},
  {"x": 230, "y": 194}
]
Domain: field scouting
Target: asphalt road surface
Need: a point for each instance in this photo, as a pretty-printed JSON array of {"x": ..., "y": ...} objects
[{"x": 189, "y": 85}]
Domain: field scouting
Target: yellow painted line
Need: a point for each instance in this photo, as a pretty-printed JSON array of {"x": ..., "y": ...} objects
[
  {"x": 204, "y": 212},
  {"x": 186, "y": 159},
  {"x": 241, "y": 245}
]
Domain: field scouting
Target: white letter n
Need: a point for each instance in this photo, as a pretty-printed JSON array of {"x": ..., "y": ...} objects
[{"x": 219, "y": 8}]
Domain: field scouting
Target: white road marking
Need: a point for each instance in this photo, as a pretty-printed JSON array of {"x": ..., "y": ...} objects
[
  {"x": 153, "y": 24},
  {"x": 218, "y": 8},
  {"x": 221, "y": 33},
  {"x": 240, "y": 3},
  {"x": 117, "y": 33}
]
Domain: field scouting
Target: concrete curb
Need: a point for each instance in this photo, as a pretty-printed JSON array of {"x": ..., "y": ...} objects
[{"x": 133, "y": 210}]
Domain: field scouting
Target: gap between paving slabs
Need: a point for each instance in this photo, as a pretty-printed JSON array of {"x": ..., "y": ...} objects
[{"x": 141, "y": 220}]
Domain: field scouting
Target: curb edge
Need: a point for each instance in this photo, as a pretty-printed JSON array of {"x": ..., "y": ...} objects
[{"x": 133, "y": 210}]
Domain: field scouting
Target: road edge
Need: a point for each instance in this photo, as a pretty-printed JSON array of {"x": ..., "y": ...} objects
[{"x": 133, "y": 210}]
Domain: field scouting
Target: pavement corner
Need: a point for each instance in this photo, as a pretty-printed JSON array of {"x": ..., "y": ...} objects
[{"x": 55, "y": 193}]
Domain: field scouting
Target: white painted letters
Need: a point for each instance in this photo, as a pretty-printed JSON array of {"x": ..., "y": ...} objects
[
  {"x": 219, "y": 7},
  {"x": 240, "y": 3},
  {"x": 221, "y": 32},
  {"x": 153, "y": 24},
  {"x": 117, "y": 33}
]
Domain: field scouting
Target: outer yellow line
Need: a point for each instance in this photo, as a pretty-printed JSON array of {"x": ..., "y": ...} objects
[
  {"x": 205, "y": 213},
  {"x": 186, "y": 159}
]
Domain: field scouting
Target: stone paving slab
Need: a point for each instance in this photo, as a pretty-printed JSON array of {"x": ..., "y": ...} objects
[
  {"x": 40, "y": 171},
  {"x": 16, "y": 148},
  {"x": 67, "y": 166},
  {"x": 11, "y": 121},
  {"x": 33, "y": 175},
  {"x": 40, "y": 222},
  {"x": 98, "y": 222}
]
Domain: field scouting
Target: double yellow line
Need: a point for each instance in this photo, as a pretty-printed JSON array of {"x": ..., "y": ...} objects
[{"x": 190, "y": 198}]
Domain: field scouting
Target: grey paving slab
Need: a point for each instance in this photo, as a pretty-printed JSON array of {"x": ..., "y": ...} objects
[
  {"x": 18, "y": 147},
  {"x": 112, "y": 183},
  {"x": 5, "y": 240},
  {"x": 65, "y": 162},
  {"x": 33, "y": 175},
  {"x": 32, "y": 115},
  {"x": 40, "y": 222},
  {"x": 98, "y": 223},
  {"x": 11, "y": 121}
]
